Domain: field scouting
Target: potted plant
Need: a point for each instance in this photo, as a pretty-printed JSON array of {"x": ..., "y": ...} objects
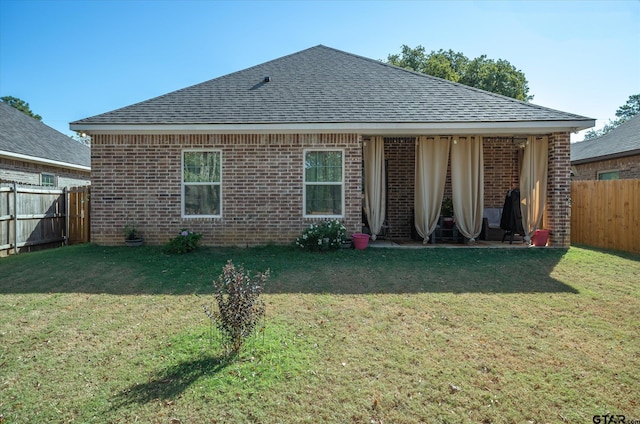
[
  {"x": 446, "y": 211},
  {"x": 131, "y": 236}
]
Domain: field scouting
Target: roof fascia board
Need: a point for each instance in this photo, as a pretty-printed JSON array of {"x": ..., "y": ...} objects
[
  {"x": 33, "y": 159},
  {"x": 379, "y": 128}
]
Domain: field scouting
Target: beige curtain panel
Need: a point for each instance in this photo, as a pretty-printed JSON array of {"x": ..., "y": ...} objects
[
  {"x": 467, "y": 184},
  {"x": 432, "y": 155},
  {"x": 533, "y": 183},
  {"x": 374, "y": 184}
]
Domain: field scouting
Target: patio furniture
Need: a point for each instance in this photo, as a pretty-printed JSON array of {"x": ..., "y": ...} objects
[
  {"x": 511, "y": 220},
  {"x": 491, "y": 224}
]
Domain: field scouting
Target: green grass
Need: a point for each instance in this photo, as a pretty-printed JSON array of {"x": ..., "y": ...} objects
[{"x": 96, "y": 334}]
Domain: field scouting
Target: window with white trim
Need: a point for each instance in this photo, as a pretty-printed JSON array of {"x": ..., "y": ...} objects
[
  {"x": 609, "y": 175},
  {"x": 201, "y": 183},
  {"x": 323, "y": 194},
  {"x": 47, "y": 180}
]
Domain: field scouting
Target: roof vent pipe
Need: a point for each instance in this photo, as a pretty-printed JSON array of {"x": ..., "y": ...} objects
[{"x": 267, "y": 79}]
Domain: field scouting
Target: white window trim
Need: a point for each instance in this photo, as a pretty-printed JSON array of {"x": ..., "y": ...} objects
[
  {"x": 42, "y": 174},
  {"x": 304, "y": 183},
  {"x": 606, "y": 172},
  {"x": 182, "y": 183}
]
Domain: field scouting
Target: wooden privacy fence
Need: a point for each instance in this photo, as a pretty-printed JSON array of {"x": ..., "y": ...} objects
[
  {"x": 606, "y": 214},
  {"x": 78, "y": 218},
  {"x": 38, "y": 217}
]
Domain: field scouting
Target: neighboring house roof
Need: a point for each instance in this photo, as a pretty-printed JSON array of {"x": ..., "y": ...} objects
[
  {"x": 25, "y": 138},
  {"x": 624, "y": 140},
  {"x": 326, "y": 90}
]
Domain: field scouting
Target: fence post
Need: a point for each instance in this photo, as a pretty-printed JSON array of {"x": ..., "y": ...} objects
[
  {"x": 65, "y": 196},
  {"x": 15, "y": 218}
]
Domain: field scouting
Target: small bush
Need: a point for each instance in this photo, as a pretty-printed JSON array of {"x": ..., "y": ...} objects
[
  {"x": 327, "y": 235},
  {"x": 185, "y": 242},
  {"x": 131, "y": 232},
  {"x": 239, "y": 307}
]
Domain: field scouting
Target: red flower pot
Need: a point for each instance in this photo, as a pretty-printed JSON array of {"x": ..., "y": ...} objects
[{"x": 360, "y": 241}]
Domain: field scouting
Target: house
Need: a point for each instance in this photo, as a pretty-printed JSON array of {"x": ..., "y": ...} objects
[
  {"x": 34, "y": 153},
  {"x": 614, "y": 155},
  {"x": 255, "y": 156}
]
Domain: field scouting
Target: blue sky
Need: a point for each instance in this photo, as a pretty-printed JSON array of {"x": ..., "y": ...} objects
[{"x": 78, "y": 58}]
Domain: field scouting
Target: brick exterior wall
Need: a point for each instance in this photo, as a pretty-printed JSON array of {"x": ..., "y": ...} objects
[
  {"x": 137, "y": 178},
  {"x": 400, "y": 156},
  {"x": 501, "y": 169},
  {"x": 557, "y": 217},
  {"x": 629, "y": 168},
  {"x": 29, "y": 173}
]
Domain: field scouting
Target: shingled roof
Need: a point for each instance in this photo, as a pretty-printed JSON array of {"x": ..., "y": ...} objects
[
  {"x": 326, "y": 89},
  {"x": 624, "y": 140},
  {"x": 25, "y": 138}
]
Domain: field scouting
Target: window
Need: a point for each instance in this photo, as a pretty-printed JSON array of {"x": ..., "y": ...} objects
[
  {"x": 323, "y": 183},
  {"x": 201, "y": 183},
  {"x": 48, "y": 180},
  {"x": 609, "y": 175}
]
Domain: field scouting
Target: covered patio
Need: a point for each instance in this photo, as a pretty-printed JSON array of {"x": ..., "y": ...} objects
[{"x": 406, "y": 179}]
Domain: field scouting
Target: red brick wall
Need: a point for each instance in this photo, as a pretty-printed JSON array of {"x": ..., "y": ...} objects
[
  {"x": 557, "y": 217},
  {"x": 629, "y": 168},
  {"x": 400, "y": 155},
  {"x": 137, "y": 178},
  {"x": 501, "y": 169}
]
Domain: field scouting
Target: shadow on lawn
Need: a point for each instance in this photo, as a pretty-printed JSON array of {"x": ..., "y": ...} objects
[
  {"x": 171, "y": 382},
  {"x": 148, "y": 271},
  {"x": 429, "y": 271}
]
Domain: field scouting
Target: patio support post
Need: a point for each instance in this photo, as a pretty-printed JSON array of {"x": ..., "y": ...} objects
[{"x": 558, "y": 211}]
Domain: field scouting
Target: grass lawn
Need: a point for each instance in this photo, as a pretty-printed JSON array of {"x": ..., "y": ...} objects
[{"x": 96, "y": 334}]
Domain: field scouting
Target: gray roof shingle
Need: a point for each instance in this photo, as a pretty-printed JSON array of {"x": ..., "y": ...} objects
[
  {"x": 23, "y": 135},
  {"x": 624, "y": 140},
  {"x": 324, "y": 85}
]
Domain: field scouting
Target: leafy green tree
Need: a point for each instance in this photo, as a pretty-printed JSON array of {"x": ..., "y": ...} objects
[
  {"x": 625, "y": 112},
  {"x": 497, "y": 76},
  {"x": 409, "y": 58},
  {"x": 629, "y": 109},
  {"x": 21, "y": 105}
]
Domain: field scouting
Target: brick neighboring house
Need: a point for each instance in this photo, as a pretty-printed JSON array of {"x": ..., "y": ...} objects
[
  {"x": 615, "y": 155},
  {"x": 34, "y": 153},
  {"x": 258, "y": 135}
]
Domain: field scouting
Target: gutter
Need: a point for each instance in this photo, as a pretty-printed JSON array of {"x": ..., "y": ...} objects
[
  {"x": 606, "y": 157},
  {"x": 377, "y": 128},
  {"x": 34, "y": 159}
]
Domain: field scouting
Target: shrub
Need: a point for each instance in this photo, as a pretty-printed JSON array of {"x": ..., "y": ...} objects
[
  {"x": 327, "y": 235},
  {"x": 185, "y": 242},
  {"x": 131, "y": 232},
  {"x": 239, "y": 307}
]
